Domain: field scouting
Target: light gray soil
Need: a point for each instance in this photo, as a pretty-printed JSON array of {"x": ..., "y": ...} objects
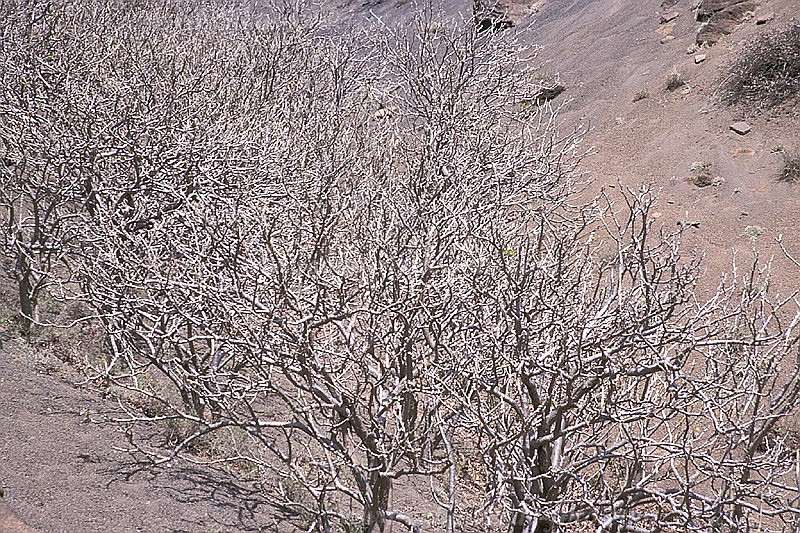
[{"x": 62, "y": 472}]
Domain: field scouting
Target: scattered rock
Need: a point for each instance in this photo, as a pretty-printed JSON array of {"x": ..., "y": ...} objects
[
  {"x": 707, "y": 8},
  {"x": 738, "y": 152},
  {"x": 763, "y": 19},
  {"x": 699, "y": 58},
  {"x": 742, "y": 128},
  {"x": 721, "y": 18},
  {"x": 385, "y": 112},
  {"x": 668, "y": 38},
  {"x": 491, "y": 15},
  {"x": 503, "y": 14},
  {"x": 548, "y": 93},
  {"x": 666, "y": 29},
  {"x": 704, "y": 179},
  {"x": 668, "y": 17}
]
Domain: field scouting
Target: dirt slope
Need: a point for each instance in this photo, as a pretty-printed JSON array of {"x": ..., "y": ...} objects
[
  {"x": 63, "y": 473},
  {"x": 607, "y": 52}
]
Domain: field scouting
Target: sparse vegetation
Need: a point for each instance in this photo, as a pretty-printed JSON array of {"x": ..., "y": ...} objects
[
  {"x": 752, "y": 232},
  {"x": 766, "y": 72},
  {"x": 791, "y": 168},
  {"x": 703, "y": 176},
  {"x": 675, "y": 81}
]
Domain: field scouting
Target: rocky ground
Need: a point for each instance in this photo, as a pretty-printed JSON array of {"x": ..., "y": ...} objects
[{"x": 616, "y": 57}]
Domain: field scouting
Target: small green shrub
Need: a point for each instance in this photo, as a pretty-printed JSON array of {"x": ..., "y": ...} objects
[{"x": 766, "y": 71}]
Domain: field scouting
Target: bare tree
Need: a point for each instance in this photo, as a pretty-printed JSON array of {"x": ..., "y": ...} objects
[
  {"x": 41, "y": 192},
  {"x": 605, "y": 390}
]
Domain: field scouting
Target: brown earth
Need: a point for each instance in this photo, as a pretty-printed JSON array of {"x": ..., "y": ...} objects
[
  {"x": 608, "y": 52},
  {"x": 63, "y": 470}
]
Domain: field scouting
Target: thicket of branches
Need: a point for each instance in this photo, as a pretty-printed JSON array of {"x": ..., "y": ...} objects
[{"x": 361, "y": 253}]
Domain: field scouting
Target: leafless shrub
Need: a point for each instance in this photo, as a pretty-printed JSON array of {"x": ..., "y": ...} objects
[
  {"x": 766, "y": 72},
  {"x": 675, "y": 81},
  {"x": 791, "y": 168}
]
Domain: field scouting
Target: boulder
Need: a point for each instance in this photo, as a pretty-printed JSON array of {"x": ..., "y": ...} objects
[
  {"x": 707, "y": 8},
  {"x": 502, "y": 14},
  {"x": 763, "y": 19},
  {"x": 722, "y": 18},
  {"x": 668, "y": 17}
]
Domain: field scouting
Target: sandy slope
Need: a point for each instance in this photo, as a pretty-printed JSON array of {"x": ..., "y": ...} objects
[
  {"x": 607, "y": 51},
  {"x": 61, "y": 471}
]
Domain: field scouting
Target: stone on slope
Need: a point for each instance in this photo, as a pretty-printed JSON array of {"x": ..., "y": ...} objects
[
  {"x": 763, "y": 19},
  {"x": 742, "y": 128},
  {"x": 721, "y": 18},
  {"x": 668, "y": 17}
]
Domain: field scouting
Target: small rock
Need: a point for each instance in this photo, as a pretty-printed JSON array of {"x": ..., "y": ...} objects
[
  {"x": 549, "y": 93},
  {"x": 742, "y": 128},
  {"x": 666, "y": 29},
  {"x": 667, "y": 17},
  {"x": 699, "y": 58},
  {"x": 763, "y": 19},
  {"x": 385, "y": 112},
  {"x": 704, "y": 179},
  {"x": 738, "y": 152},
  {"x": 667, "y": 39}
]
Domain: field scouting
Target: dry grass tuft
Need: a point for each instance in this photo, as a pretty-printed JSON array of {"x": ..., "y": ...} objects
[{"x": 766, "y": 71}]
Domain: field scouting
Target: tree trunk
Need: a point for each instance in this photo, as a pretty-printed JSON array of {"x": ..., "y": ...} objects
[
  {"x": 381, "y": 489},
  {"x": 27, "y": 300}
]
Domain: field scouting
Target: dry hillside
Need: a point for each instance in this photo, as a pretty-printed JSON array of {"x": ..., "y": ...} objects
[{"x": 615, "y": 60}]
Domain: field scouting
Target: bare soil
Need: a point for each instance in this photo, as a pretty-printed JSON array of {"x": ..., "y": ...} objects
[
  {"x": 63, "y": 468},
  {"x": 611, "y": 59}
]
